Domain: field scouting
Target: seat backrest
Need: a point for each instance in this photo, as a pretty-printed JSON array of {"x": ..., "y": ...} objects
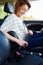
[
  {"x": 1, "y": 21},
  {"x": 4, "y": 47}
]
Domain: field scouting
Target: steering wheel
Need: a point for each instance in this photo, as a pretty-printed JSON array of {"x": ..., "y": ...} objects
[{"x": 35, "y": 26}]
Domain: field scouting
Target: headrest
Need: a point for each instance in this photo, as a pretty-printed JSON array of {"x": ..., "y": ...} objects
[{"x": 8, "y": 8}]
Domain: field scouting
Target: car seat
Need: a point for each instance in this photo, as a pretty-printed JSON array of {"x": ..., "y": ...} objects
[{"x": 4, "y": 47}]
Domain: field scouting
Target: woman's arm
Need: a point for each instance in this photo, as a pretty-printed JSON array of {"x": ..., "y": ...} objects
[
  {"x": 18, "y": 41},
  {"x": 10, "y": 37}
]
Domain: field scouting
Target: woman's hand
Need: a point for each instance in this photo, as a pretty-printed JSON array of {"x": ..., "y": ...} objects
[
  {"x": 22, "y": 43},
  {"x": 30, "y": 32}
]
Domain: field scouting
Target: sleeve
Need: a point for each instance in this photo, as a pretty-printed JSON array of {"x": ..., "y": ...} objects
[
  {"x": 5, "y": 26},
  {"x": 25, "y": 28}
]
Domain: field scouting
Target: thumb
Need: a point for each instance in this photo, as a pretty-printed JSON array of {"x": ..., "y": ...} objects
[{"x": 26, "y": 43}]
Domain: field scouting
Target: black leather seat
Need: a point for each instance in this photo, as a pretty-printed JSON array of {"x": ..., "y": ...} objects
[
  {"x": 4, "y": 48},
  {"x": 1, "y": 21}
]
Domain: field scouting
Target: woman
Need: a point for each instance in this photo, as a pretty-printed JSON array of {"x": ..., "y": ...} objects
[{"x": 14, "y": 23}]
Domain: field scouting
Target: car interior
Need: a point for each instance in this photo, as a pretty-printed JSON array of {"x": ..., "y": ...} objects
[{"x": 5, "y": 54}]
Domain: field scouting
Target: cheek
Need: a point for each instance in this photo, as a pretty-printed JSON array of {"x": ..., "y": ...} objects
[
  {"x": 22, "y": 12},
  {"x": 19, "y": 13}
]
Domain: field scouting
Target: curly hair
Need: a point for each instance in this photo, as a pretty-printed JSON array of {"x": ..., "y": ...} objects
[{"x": 19, "y": 3}]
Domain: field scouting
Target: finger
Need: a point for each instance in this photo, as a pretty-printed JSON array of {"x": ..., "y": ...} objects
[{"x": 26, "y": 43}]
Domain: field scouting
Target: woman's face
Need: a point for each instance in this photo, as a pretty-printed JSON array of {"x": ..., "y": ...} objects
[{"x": 21, "y": 10}]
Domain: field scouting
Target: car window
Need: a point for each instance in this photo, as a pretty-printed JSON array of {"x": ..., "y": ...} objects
[
  {"x": 35, "y": 12},
  {"x": 2, "y": 13}
]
